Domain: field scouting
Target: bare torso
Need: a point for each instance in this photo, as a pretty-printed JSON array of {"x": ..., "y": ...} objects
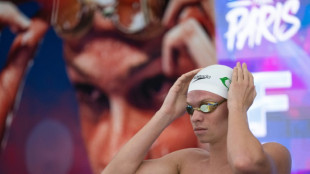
[
  {"x": 187, "y": 161},
  {"x": 198, "y": 161}
]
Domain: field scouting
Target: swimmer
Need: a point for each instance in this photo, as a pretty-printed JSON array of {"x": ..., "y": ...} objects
[{"x": 216, "y": 99}]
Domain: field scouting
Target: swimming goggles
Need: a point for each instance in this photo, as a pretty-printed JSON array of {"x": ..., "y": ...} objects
[{"x": 205, "y": 107}]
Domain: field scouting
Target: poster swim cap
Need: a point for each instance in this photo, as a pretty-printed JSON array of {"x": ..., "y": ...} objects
[{"x": 213, "y": 78}]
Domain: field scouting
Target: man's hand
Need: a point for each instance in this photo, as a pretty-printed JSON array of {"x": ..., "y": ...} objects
[
  {"x": 245, "y": 152},
  {"x": 175, "y": 101},
  {"x": 242, "y": 91}
]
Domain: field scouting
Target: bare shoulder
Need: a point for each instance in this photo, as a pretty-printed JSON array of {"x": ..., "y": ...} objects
[
  {"x": 280, "y": 155},
  {"x": 277, "y": 150}
]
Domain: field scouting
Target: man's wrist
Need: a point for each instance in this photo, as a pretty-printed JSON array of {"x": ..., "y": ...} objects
[
  {"x": 165, "y": 116},
  {"x": 237, "y": 110}
]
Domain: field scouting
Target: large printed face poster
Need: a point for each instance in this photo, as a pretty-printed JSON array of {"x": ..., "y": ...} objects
[
  {"x": 97, "y": 77},
  {"x": 102, "y": 71}
]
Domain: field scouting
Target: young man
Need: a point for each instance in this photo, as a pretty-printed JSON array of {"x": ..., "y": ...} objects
[{"x": 218, "y": 117}]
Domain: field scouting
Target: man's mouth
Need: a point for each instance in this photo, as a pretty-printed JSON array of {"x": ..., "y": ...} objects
[{"x": 200, "y": 130}]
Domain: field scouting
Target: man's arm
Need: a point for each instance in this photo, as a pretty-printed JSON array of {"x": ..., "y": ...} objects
[
  {"x": 130, "y": 158},
  {"x": 245, "y": 152}
]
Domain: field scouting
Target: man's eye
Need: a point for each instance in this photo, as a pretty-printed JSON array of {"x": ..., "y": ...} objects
[
  {"x": 150, "y": 93},
  {"x": 204, "y": 108},
  {"x": 91, "y": 96}
]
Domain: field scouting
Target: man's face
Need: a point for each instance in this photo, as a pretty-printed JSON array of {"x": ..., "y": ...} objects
[
  {"x": 120, "y": 85},
  {"x": 208, "y": 127}
]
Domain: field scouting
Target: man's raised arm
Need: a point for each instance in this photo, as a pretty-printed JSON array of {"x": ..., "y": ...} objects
[
  {"x": 131, "y": 156},
  {"x": 245, "y": 152}
]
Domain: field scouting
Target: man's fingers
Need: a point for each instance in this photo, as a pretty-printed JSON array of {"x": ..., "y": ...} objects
[
  {"x": 187, "y": 77},
  {"x": 251, "y": 78},
  {"x": 235, "y": 74},
  {"x": 240, "y": 73},
  {"x": 181, "y": 85},
  {"x": 245, "y": 72},
  {"x": 193, "y": 72}
]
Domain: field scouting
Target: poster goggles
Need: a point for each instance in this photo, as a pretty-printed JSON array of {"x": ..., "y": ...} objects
[{"x": 138, "y": 18}]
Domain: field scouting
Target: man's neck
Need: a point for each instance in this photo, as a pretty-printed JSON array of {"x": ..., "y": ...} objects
[{"x": 218, "y": 153}]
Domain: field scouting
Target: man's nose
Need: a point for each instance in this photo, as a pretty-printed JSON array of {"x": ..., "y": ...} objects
[{"x": 197, "y": 116}]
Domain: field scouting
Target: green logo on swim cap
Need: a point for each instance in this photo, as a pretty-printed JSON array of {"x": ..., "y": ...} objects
[{"x": 226, "y": 82}]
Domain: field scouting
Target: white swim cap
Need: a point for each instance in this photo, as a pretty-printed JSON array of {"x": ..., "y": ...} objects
[{"x": 214, "y": 78}]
